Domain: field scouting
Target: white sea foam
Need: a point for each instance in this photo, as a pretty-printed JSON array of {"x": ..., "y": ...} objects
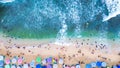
[
  {"x": 113, "y": 7},
  {"x": 6, "y": 1}
]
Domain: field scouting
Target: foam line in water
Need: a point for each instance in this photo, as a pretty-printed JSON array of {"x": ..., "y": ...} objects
[
  {"x": 111, "y": 15},
  {"x": 113, "y": 7},
  {"x": 6, "y": 1}
]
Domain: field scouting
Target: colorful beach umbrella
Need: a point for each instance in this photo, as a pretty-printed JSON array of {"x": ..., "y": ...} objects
[
  {"x": 25, "y": 66},
  {"x": 118, "y": 66},
  {"x": 98, "y": 63},
  {"x": 49, "y": 60},
  {"x": 38, "y": 66},
  {"x": 54, "y": 61},
  {"x": 38, "y": 59},
  {"x": 114, "y": 66},
  {"x": 20, "y": 60},
  {"x": 88, "y": 66},
  {"x": 7, "y": 61},
  {"x": 44, "y": 61},
  {"x": 61, "y": 61},
  {"x": 93, "y": 64},
  {"x": 32, "y": 64},
  {"x": 1, "y": 57},
  {"x": 14, "y": 60},
  {"x": 104, "y": 64},
  {"x": 1, "y": 63},
  {"x": 78, "y": 66},
  {"x": 44, "y": 66},
  {"x": 55, "y": 66},
  {"x": 7, "y": 66},
  {"x": 63, "y": 65}
]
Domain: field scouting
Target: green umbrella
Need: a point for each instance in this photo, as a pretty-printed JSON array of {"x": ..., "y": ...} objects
[
  {"x": 7, "y": 66},
  {"x": 38, "y": 59}
]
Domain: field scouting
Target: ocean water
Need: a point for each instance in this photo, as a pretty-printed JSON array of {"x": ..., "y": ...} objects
[{"x": 60, "y": 18}]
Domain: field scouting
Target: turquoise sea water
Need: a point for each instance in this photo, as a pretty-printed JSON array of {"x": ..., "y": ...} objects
[{"x": 57, "y": 18}]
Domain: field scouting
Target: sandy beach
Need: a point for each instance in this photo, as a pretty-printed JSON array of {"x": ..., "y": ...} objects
[{"x": 81, "y": 51}]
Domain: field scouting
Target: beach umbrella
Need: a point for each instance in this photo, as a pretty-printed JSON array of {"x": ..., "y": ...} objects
[
  {"x": 25, "y": 66},
  {"x": 32, "y": 64},
  {"x": 49, "y": 66},
  {"x": 14, "y": 60},
  {"x": 49, "y": 60},
  {"x": 118, "y": 66},
  {"x": 93, "y": 64},
  {"x": 44, "y": 61},
  {"x": 1, "y": 63},
  {"x": 98, "y": 64},
  {"x": 20, "y": 60},
  {"x": 44, "y": 66},
  {"x": 7, "y": 61},
  {"x": 114, "y": 66},
  {"x": 63, "y": 65},
  {"x": 13, "y": 66},
  {"x": 61, "y": 61},
  {"x": 55, "y": 66},
  {"x": 38, "y": 66},
  {"x": 1, "y": 57},
  {"x": 88, "y": 66},
  {"x": 54, "y": 61},
  {"x": 104, "y": 64},
  {"x": 78, "y": 66},
  {"x": 38, "y": 59},
  {"x": 7, "y": 66}
]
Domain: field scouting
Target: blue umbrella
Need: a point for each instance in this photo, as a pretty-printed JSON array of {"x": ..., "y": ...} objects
[
  {"x": 44, "y": 66},
  {"x": 88, "y": 66},
  {"x": 114, "y": 66},
  {"x": 49, "y": 60},
  {"x": 118, "y": 66},
  {"x": 93, "y": 64},
  {"x": 1, "y": 63},
  {"x": 104, "y": 64},
  {"x": 1, "y": 57},
  {"x": 78, "y": 66},
  {"x": 99, "y": 64},
  {"x": 38, "y": 66},
  {"x": 32, "y": 64}
]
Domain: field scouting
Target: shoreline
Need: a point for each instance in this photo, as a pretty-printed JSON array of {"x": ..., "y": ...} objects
[{"x": 79, "y": 50}]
